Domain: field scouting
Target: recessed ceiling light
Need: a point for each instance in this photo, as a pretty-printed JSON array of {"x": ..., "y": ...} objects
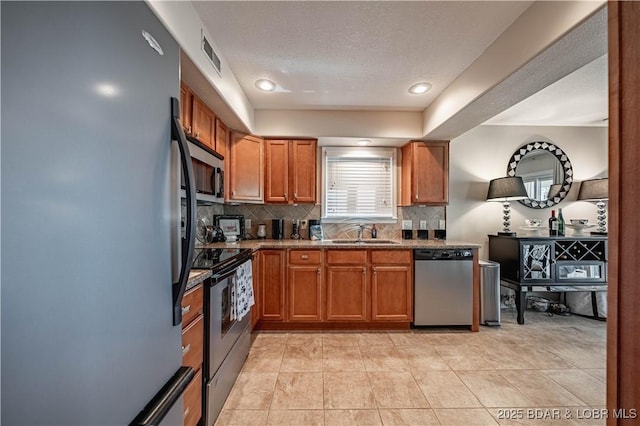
[
  {"x": 419, "y": 88},
  {"x": 266, "y": 85},
  {"x": 364, "y": 142}
]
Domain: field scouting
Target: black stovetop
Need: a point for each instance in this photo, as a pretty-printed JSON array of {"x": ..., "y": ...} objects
[{"x": 217, "y": 259}]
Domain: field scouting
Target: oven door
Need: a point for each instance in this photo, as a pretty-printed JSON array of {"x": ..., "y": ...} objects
[{"x": 223, "y": 331}]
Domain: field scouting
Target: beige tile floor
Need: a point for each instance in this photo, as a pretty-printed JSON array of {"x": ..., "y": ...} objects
[{"x": 550, "y": 371}]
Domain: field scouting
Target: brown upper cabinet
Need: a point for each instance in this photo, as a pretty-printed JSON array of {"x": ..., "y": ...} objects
[
  {"x": 203, "y": 122},
  {"x": 199, "y": 121},
  {"x": 222, "y": 137},
  {"x": 425, "y": 173},
  {"x": 290, "y": 171},
  {"x": 186, "y": 108},
  {"x": 245, "y": 169}
]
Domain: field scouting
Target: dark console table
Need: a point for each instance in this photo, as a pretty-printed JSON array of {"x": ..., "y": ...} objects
[{"x": 555, "y": 264}]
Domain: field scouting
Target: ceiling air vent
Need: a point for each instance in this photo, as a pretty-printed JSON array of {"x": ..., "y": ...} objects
[{"x": 211, "y": 54}]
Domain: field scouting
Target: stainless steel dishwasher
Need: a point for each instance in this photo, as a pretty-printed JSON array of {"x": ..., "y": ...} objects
[{"x": 443, "y": 284}]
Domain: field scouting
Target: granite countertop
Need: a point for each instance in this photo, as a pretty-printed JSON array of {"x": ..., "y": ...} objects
[
  {"x": 196, "y": 276},
  {"x": 323, "y": 244}
]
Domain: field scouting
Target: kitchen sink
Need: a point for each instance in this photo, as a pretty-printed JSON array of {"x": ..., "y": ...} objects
[{"x": 363, "y": 242}]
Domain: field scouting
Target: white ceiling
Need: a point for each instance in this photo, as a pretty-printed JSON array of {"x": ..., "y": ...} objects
[
  {"x": 352, "y": 55},
  {"x": 362, "y": 56},
  {"x": 579, "y": 99}
]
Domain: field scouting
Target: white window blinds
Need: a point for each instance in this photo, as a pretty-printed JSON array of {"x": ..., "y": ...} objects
[{"x": 359, "y": 183}]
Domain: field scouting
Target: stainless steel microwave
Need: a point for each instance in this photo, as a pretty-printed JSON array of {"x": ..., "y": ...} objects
[{"x": 208, "y": 170}]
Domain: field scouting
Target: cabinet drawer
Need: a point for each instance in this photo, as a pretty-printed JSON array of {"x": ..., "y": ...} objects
[
  {"x": 391, "y": 257},
  {"x": 192, "y": 343},
  {"x": 192, "y": 401},
  {"x": 344, "y": 257},
  {"x": 192, "y": 304},
  {"x": 305, "y": 257}
]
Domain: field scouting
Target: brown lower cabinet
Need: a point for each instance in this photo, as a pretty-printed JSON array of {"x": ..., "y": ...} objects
[
  {"x": 255, "y": 267},
  {"x": 192, "y": 352},
  {"x": 347, "y": 285},
  {"x": 391, "y": 289},
  {"x": 305, "y": 285},
  {"x": 334, "y": 286},
  {"x": 272, "y": 285},
  {"x": 192, "y": 401}
]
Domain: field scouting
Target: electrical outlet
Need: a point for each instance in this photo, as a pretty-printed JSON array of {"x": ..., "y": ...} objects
[
  {"x": 423, "y": 224},
  {"x": 303, "y": 224},
  {"x": 407, "y": 224},
  {"x": 442, "y": 224},
  {"x": 247, "y": 223}
]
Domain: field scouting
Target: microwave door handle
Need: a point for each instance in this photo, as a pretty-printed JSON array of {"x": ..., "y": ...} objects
[
  {"x": 220, "y": 174},
  {"x": 188, "y": 241},
  {"x": 213, "y": 181}
]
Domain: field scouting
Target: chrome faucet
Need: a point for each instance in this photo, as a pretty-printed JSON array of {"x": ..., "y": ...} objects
[{"x": 360, "y": 231}]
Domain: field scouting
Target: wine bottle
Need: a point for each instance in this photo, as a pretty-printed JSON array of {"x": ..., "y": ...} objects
[
  {"x": 560, "y": 223},
  {"x": 553, "y": 224},
  {"x": 374, "y": 231}
]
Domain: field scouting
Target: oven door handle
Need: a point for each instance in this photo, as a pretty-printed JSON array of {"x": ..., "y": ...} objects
[{"x": 218, "y": 278}]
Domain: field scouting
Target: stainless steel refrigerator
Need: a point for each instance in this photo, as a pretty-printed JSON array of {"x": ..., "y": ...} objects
[{"x": 89, "y": 215}]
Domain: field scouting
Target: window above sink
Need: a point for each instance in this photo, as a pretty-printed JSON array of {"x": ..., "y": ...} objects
[{"x": 359, "y": 185}]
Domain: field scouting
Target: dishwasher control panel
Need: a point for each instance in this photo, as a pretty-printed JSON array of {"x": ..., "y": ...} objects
[{"x": 443, "y": 254}]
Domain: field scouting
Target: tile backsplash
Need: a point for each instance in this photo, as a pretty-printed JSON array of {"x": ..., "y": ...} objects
[{"x": 264, "y": 213}]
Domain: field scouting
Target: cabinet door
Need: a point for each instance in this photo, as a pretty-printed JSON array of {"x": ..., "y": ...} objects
[
  {"x": 255, "y": 309},
  {"x": 276, "y": 171},
  {"x": 425, "y": 173},
  {"x": 222, "y": 135},
  {"x": 272, "y": 285},
  {"x": 431, "y": 172},
  {"x": 303, "y": 170},
  {"x": 305, "y": 293},
  {"x": 245, "y": 169},
  {"x": 346, "y": 293},
  {"x": 391, "y": 293},
  {"x": 192, "y": 401},
  {"x": 203, "y": 123},
  {"x": 193, "y": 343},
  {"x": 536, "y": 259},
  {"x": 186, "y": 108}
]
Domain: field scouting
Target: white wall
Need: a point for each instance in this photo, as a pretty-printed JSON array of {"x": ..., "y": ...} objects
[{"x": 482, "y": 154}]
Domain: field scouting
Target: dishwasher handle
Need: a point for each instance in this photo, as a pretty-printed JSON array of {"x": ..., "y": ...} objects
[{"x": 443, "y": 254}]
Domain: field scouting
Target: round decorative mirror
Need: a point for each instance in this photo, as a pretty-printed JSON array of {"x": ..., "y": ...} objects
[{"x": 546, "y": 172}]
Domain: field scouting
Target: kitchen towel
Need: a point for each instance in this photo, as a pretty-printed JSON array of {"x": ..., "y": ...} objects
[{"x": 242, "y": 294}]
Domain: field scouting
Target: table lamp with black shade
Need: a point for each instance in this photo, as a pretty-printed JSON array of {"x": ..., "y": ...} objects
[
  {"x": 596, "y": 190},
  {"x": 506, "y": 189}
]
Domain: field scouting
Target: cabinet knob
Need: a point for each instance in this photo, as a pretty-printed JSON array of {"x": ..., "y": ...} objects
[
  {"x": 186, "y": 412},
  {"x": 374, "y": 270},
  {"x": 186, "y": 309},
  {"x": 186, "y": 349},
  {"x": 416, "y": 195},
  {"x": 364, "y": 271},
  {"x": 197, "y": 134},
  {"x": 318, "y": 271},
  {"x": 295, "y": 195},
  {"x": 304, "y": 257}
]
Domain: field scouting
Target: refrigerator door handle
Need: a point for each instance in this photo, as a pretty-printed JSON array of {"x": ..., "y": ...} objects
[
  {"x": 188, "y": 241},
  {"x": 165, "y": 399}
]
